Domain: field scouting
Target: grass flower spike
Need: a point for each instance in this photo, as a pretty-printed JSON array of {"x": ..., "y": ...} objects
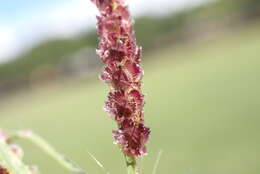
[{"x": 121, "y": 56}]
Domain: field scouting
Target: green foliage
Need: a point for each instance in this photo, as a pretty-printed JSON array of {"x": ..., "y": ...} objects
[
  {"x": 242, "y": 6},
  {"x": 150, "y": 30},
  {"x": 50, "y": 53}
]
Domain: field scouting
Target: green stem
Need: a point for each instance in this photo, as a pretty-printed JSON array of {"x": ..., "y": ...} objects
[
  {"x": 11, "y": 161},
  {"x": 48, "y": 149},
  {"x": 131, "y": 164}
]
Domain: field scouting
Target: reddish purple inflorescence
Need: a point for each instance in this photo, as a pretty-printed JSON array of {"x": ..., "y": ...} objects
[{"x": 122, "y": 72}]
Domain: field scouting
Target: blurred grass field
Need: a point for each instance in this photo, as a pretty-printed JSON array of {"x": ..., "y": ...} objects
[{"x": 203, "y": 105}]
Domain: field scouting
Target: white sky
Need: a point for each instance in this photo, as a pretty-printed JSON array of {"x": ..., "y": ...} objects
[{"x": 67, "y": 19}]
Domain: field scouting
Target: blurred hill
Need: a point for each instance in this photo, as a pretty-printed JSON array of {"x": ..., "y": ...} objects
[{"x": 56, "y": 59}]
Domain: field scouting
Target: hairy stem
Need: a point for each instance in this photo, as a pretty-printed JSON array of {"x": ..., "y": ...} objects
[
  {"x": 48, "y": 149},
  {"x": 11, "y": 161},
  {"x": 131, "y": 164}
]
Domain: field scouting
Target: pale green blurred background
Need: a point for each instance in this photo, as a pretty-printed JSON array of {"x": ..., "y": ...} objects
[{"x": 202, "y": 86}]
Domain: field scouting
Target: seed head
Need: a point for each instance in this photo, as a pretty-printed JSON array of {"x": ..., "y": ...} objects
[{"x": 122, "y": 72}]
